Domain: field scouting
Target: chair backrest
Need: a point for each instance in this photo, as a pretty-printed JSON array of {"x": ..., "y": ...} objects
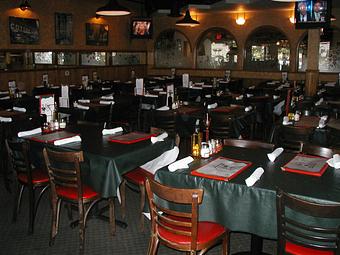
[
  {"x": 165, "y": 120},
  {"x": 248, "y": 144},
  {"x": 64, "y": 170},
  {"x": 319, "y": 151},
  {"x": 300, "y": 233},
  {"x": 292, "y": 138},
  {"x": 19, "y": 158},
  {"x": 221, "y": 125},
  {"x": 176, "y": 222}
]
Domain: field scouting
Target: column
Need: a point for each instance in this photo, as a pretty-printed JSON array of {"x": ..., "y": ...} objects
[{"x": 312, "y": 72}]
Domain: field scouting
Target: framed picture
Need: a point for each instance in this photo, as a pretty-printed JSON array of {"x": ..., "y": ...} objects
[
  {"x": 23, "y": 31},
  {"x": 97, "y": 34},
  {"x": 63, "y": 28}
]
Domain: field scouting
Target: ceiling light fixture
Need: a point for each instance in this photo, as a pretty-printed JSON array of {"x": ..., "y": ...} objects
[
  {"x": 187, "y": 21},
  {"x": 112, "y": 8},
  {"x": 25, "y": 5},
  {"x": 241, "y": 20}
]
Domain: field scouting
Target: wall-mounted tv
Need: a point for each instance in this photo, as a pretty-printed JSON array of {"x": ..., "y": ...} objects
[
  {"x": 313, "y": 14},
  {"x": 141, "y": 28}
]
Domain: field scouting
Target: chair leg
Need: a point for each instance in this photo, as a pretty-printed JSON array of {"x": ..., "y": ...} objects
[
  {"x": 17, "y": 202},
  {"x": 55, "y": 203},
  {"x": 81, "y": 228},
  {"x": 112, "y": 216},
  {"x": 123, "y": 198},
  {"x": 142, "y": 203},
  {"x": 31, "y": 205},
  {"x": 225, "y": 244},
  {"x": 153, "y": 245}
]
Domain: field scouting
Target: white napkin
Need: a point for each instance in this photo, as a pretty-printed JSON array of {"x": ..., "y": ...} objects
[
  {"x": 19, "y": 109},
  {"x": 112, "y": 131},
  {"x": 163, "y": 160},
  {"x": 82, "y": 107},
  {"x": 4, "y": 98},
  {"x": 116, "y": 81},
  {"x": 240, "y": 97},
  {"x": 159, "y": 138},
  {"x": 322, "y": 121},
  {"x": 194, "y": 87},
  {"x": 212, "y": 106},
  {"x": 23, "y": 92},
  {"x": 150, "y": 95},
  {"x": 107, "y": 97},
  {"x": 179, "y": 164},
  {"x": 248, "y": 108},
  {"x": 330, "y": 84},
  {"x": 250, "y": 181},
  {"x": 207, "y": 86},
  {"x": 55, "y": 87},
  {"x": 208, "y": 96},
  {"x": 319, "y": 102},
  {"x": 199, "y": 83},
  {"x": 275, "y": 97},
  {"x": 251, "y": 87},
  {"x": 321, "y": 91},
  {"x": 250, "y": 95},
  {"x": 277, "y": 152},
  {"x": 29, "y": 132},
  {"x": 163, "y": 108},
  {"x": 106, "y": 102},
  {"x": 84, "y": 100},
  {"x": 158, "y": 89},
  {"x": 37, "y": 97},
  {"x": 4, "y": 92},
  {"x": 68, "y": 140},
  {"x": 335, "y": 161},
  {"x": 106, "y": 88},
  {"x": 5, "y": 119}
]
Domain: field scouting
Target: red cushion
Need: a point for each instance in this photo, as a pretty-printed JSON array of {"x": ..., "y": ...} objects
[
  {"x": 295, "y": 249},
  {"x": 138, "y": 176},
  {"x": 38, "y": 176},
  {"x": 206, "y": 232},
  {"x": 72, "y": 193}
]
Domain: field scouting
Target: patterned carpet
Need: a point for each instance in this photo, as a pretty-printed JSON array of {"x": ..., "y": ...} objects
[{"x": 14, "y": 239}]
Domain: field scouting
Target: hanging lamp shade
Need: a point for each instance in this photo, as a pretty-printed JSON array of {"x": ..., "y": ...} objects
[
  {"x": 113, "y": 8},
  {"x": 25, "y": 5},
  {"x": 187, "y": 21}
]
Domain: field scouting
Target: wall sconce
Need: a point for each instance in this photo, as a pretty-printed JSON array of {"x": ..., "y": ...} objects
[
  {"x": 25, "y": 5},
  {"x": 292, "y": 19},
  {"x": 240, "y": 20}
]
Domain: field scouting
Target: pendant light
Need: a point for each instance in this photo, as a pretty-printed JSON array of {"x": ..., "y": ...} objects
[
  {"x": 25, "y": 5},
  {"x": 112, "y": 8},
  {"x": 187, "y": 21}
]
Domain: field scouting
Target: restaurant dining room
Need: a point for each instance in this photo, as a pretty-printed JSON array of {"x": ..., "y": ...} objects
[{"x": 170, "y": 127}]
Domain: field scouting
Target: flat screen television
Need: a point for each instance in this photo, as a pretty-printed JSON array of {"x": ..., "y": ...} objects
[
  {"x": 141, "y": 28},
  {"x": 313, "y": 14}
]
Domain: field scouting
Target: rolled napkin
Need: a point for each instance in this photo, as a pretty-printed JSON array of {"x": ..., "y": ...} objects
[
  {"x": 158, "y": 89},
  {"x": 107, "y": 97},
  {"x": 276, "y": 97},
  {"x": 84, "y": 100},
  {"x": 335, "y": 161},
  {"x": 55, "y": 87},
  {"x": 159, "y": 138},
  {"x": 250, "y": 95},
  {"x": 240, "y": 97},
  {"x": 5, "y": 119},
  {"x": 163, "y": 108},
  {"x": 208, "y": 96},
  {"x": 37, "y": 97},
  {"x": 19, "y": 109},
  {"x": 250, "y": 181},
  {"x": 23, "y": 92},
  {"x": 277, "y": 152},
  {"x": 179, "y": 164},
  {"x": 248, "y": 108},
  {"x": 67, "y": 140},
  {"x": 286, "y": 121},
  {"x": 251, "y": 87},
  {"x": 321, "y": 91},
  {"x": 106, "y": 102},
  {"x": 112, "y": 131},
  {"x": 212, "y": 106},
  {"x": 150, "y": 95},
  {"x": 4, "y": 92},
  {"x": 5, "y": 98},
  {"x": 330, "y": 84},
  {"x": 106, "y": 88},
  {"x": 319, "y": 102},
  {"x": 29, "y": 132},
  {"x": 82, "y": 107}
]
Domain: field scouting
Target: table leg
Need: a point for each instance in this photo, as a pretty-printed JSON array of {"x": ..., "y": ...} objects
[{"x": 256, "y": 247}]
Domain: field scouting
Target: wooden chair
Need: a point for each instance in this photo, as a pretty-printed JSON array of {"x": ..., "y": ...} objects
[
  {"x": 292, "y": 138},
  {"x": 248, "y": 144},
  {"x": 319, "y": 151},
  {"x": 221, "y": 126},
  {"x": 27, "y": 177},
  {"x": 181, "y": 230},
  {"x": 300, "y": 238},
  {"x": 165, "y": 120},
  {"x": 66, "y": 185}
]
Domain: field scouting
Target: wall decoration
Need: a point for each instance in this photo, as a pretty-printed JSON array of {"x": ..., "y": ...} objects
[
  {"x": 97, "y": 34},
  {"x": 23, "y": 31},
  {"x": 93, "y": 59},
  {"x": 63, "y": 28}
]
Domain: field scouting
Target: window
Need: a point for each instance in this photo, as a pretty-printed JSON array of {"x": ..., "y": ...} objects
[
  {"x": 172, "y": 49},
  {"x": 217, "y": 49},
  {"x": 267, "y": 49}
]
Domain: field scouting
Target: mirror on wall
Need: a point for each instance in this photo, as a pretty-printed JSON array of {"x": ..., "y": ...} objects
[
  {"x": 267, "y": 49},
  {"x": 128, "y": 58},
  {"x": 217, "y": 49},
  {"x": 172, "y": 49},
  {"x": 67, "y": 58}
]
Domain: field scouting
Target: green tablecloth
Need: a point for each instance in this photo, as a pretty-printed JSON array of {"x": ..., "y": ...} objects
[{"x": 253, "y": 209}]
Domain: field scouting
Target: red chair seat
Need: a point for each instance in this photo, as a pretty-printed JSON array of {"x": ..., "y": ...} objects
[
  {"x": 295, "y": 249},
  {"x": 206, "y": 232},
  {"x": 72, "y": 193},
  {"x": 138, "y": 176},
  {"x": 38, "y": 176}
]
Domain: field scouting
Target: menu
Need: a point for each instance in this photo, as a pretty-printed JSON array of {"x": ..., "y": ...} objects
[
  {"x": 51, "y": 137},
  {"x": 133, "y": 137},
  {"x": 222, "y": 168},
  {"x": 306, "y": 164}
]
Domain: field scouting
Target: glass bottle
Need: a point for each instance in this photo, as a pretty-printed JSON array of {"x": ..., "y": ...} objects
[{"x": 196, "y": 140}]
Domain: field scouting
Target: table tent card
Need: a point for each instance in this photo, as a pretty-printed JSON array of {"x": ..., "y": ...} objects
[
  {"x": 169, "y": 92},
  {"x": 185, "y": 80},
  {"x": 45, "y": 79},
  {"x": 47, "y": 106},
  {"x": 12, "y": 86},
  {"x": 85, "y": 80},
  {"x": 64, "y": 99},
  {"x": 140, "y": 87},
  {"x": 222, "y": 168}
]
